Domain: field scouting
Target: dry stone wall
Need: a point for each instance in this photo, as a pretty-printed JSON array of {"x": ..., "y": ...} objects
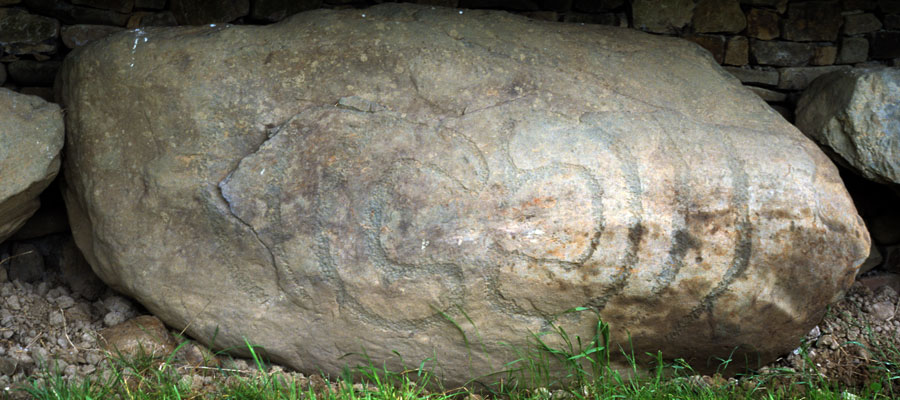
[{"x": 775, "y": 47}]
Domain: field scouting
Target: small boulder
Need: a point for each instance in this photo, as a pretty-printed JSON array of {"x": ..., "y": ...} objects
[
  {"x": 31, "y": 137},
  {"x": 442, "y": 184},
  {"x": 140, "y": 336},
  {"x": 856, "y": 113}
]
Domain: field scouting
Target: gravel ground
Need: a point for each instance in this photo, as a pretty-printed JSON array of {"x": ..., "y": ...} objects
[{"x": 49, "y": 320}]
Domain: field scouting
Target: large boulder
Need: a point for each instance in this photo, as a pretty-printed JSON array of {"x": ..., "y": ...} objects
[
  {"x": 856, "y": 113},
  {"x": 437, "y": 183},
  {"x": 31, "y": 137}
]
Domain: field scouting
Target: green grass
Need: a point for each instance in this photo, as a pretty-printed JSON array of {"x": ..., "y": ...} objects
[{"x": 576, "y": 369}]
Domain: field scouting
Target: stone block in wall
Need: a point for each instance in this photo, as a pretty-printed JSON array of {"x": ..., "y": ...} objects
[
  {"x": 122, "y": 6},
  {"x": 662, "y": 16},
  {"x": 853, "y": 50},
  {"x": 202, "y": 12},
  {"x": 885, "y": 45},
  {"x": 780, "y": 53},
  {"x": 798, "y": 78},
  {"x": 855, "y": 24},
  {"x": 864, "y": 5},
  {"x": 812, "y": 21},
  {"x": 754, "y": 75},
  {"x": 767, "y": 94},
  {"x": 592, "y": 6},
  {"x": 150, "y": 4},
  {"x": 143, "y": 18},
  {"x": 824, "y": 55},
  {"x": 763, "y": 24},
  {"x": 33, "y": 73},
  {"x": 73, "y": 14},
  {"x": 718, "y": 16},
  {"x": 715, "y": 44},
  {"x": 889, "y": 6},
  {"x": 737, "y": 51},
  {"x": 79, "y": 35},
  {"x": 25, "y": 33},
  {"x": 892, "y": 21},
  {"x": 276, "y": 10}
]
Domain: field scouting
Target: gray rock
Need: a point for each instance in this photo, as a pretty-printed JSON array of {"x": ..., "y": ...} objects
[
  {"x": 782, "y": 54},
  {"x": 883, "y": 311},
  {"x": 666, "y": 16},
  {"x": 79, "y": 35},
  {"x": 25, "y": 33},
  {"x": 856, "y": 114},
  {"x": 33, "y": 73},
  {"x": 798, "y": 78},
  {"x": 7, "y": 365},
  {"x": 718, "y": 16},
  {"x": 114, "y": 318},
  {"x": 12, "y": 302},
  {"x": 754, "y": 75},
  {"x": 481, "y": 179},
  {"x": 855, "y": 24},
  {"x": 853, "y": 50},
  {"x": 31, "y": 137},
  {"x": 64, "y": 302}
]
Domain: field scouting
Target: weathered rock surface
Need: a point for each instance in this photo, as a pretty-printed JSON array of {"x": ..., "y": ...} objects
[
  {"x": 354, "y": 180},
  {"x": 31, "y": 136},
  {"x": 857, "y": 114},
  {"x": 25, "y": 33}
]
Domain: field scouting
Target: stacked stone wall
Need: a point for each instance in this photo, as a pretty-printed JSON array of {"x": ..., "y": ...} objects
[{"x": 775, "y": 47}]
